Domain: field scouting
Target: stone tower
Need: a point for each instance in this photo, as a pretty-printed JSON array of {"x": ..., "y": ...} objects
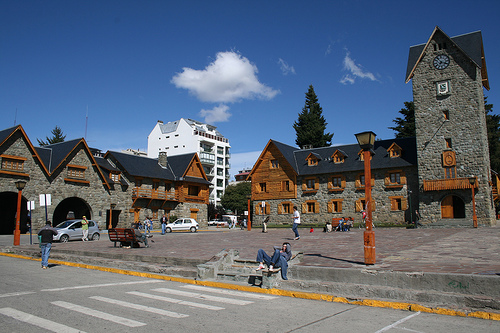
[{"x": 448, "y": 76}]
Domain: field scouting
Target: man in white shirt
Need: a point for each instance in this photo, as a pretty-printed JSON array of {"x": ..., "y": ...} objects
[{"x": 296, "y": 222}]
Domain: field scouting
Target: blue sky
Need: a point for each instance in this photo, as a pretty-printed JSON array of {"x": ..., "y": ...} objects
[{"x": 243, "y": 66}]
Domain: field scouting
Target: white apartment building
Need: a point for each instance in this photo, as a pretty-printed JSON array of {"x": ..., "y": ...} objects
[{"x": 188, "y": 136}]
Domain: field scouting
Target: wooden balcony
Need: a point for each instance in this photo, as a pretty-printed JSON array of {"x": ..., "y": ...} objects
[
  {"x": 143, "y": 193},
  {"x": 448, "y": 184}
]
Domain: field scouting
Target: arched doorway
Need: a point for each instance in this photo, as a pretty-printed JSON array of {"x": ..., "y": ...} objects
[
  {"x": 71, "y": 208},
  {"x": 452, "y": 207},
  {"x": 8, "y": 209}
]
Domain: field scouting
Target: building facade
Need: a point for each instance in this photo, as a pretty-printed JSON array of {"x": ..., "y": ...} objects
[
  {"x": 436, "y": 173},
  {"x": 190, "y": 136},
  {"x": 113, "y": 189}
]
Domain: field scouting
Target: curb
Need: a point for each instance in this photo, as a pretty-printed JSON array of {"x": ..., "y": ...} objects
[{"x": 279, "y": 292}]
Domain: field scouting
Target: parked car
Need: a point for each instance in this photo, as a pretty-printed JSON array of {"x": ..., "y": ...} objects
[
  {"x": 182, "y": 224},
  {"x": 72, "y": 229},
  {"x": 218, "y": 223}
]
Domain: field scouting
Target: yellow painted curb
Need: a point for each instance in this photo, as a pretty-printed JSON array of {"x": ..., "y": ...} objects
[{"x": 279, "y": 292}]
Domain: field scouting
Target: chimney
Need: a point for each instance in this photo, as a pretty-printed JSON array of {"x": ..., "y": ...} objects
[
  {"x": 162, "y": 159},
  {"x": 160, "y": 121}
]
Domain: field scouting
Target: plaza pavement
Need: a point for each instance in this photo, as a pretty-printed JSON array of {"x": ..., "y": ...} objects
[{"x": 471, "y": 255}]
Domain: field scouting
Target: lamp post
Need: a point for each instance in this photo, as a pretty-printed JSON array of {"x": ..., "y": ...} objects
[
  {"x": 472, "y": 182},
  {"x": 110, "y": 226},
  {"x": 249, "y": 224},
  {"x": 366, "y": 141},
  {"x": 20, "y": 184}
]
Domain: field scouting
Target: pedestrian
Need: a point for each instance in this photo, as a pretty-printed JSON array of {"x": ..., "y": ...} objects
[
  {"x": 296, "y": 222},
  {"x": 45, "y": 235},
  {"x": 278, "y": 260},
  {"x": 163, "y": 224},
  {"x": 85, "y": 229},
  {"x": 148, "y": 225}
]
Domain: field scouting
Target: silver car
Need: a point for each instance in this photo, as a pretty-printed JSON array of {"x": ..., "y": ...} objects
[
  {"x": 72, "y": 229},
  {"x": 183, "y": 224}
]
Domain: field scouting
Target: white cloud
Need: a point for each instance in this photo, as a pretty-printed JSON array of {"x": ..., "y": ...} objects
[
  {"x": 230, "y": 78},
  {"x": 285, "y": 68},
  {"x": 217, "y": 114},
  {"x": 355, "y": 71}
]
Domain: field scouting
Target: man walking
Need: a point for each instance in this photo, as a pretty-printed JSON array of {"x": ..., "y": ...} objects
[
  {"x": 296, "y": 222},
  {"x": 46, "y": 233}
]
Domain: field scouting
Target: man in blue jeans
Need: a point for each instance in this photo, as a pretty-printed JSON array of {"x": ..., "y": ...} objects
[
  {"x": 46, "y": 236},
  {"x": 278, "y": 260}
]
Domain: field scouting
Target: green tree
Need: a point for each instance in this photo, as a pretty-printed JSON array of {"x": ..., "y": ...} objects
[
  {"x": 235, "y": 197},
  {"x": 311, "y": 125},
  {"x": 215, "y": 211},
  {"x": 493, "y": 126},
  {"x": 405, "y": 126},
  {"x": 57, "y": 136}
]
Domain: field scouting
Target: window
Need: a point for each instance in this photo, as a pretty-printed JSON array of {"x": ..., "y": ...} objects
[
  {"x": 310, "y": 184},
  {"x": 285, "y": 208},
  {"x": 76, "y": 171},
  {"x": 446, "y": 115},
  {"x": 262, "y": 187},
  {"x": 310, "y": 207},
  {"x": 285, "y": 186},
  {"x": 448, "y": 143},
  {"x": 338, "y": 157},
  {"x": 262, "y": 208},
  {"x": 398, "y": 203},
  {"x": 13, "y": 163},
  {"x": 395, "y": 178},
  {"x": 336, "y": 183},
  {"x": 450, "y": 172},
  {"x": 335, "y": 206},
  {"x": 312, "y": 162},
  {"x": 360, "y": 181},
  {"x": 193, "y": 190},
  {"x": 274, "y": 164},
  {"x": 114, "y": 177},
  {"x": 394, "y": 150}
]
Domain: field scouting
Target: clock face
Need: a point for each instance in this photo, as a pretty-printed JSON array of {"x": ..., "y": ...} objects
[{"x": 441, "y": 61}]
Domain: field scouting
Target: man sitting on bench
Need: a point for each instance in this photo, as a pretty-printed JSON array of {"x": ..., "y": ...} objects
[
  {"x": 140, "y": 236},
  {"x": 279, "y": 259}
]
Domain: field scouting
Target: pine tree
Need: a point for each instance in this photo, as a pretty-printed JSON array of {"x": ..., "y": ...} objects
[
  {"x": 57, "y": 136},
  {"x": 405, "y": 127},
  {"x": 311, "y": 125},
  {"x": 493, "y": 126}
]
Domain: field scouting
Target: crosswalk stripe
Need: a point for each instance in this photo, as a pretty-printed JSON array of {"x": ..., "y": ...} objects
[
  {"x": 99, "y": 314},
  {"x": 102, "y": 285},
  {"x": 18, "y": 294},
  {"x": 176, "y": 301},
  {"x": 37, "y": 321},
  {"x": 229, "y": 292},
  {"x": 140, "y": 307},
  {"x": 203, "y": 296}
]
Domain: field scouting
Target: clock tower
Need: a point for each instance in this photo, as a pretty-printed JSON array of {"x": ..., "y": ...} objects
[{"x": 448, "y": 76}]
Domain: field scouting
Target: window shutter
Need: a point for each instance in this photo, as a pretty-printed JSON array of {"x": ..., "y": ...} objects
[
  {"x": 339, "y": 206},
  {"x": 403, "y": 178},
  {"x": 373, "y": 181},
  {"x": 316, "y": 184},
  {"x": 304, "y": 185},
  {"x": 343, "y": 182},
  {"x": 268, "y": 208},
  {"x": 330, "y": 207},
  {"x": 316, "y": 207},
  {"x": 330, "y": 184},
  {"x": 280, "y": 208},
  {"x": 387, "y": 179},
  {"x": 304, "y": 208},
  {"x": 393, "y": 204},
  {"x": 404, "y": 204},
  {"x": 358, "y": 206}
]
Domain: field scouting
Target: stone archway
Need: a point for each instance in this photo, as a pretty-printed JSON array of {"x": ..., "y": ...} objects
[
  {"x": 70, "y": 208},
  {"x": 452, "y": 207},
  {"x": 8, "y": 209}
]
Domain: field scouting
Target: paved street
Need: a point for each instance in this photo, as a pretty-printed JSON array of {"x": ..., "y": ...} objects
[{"x": 68, "y": 299}]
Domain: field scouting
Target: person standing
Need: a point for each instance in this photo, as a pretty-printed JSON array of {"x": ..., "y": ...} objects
[
  {"x": 296, "y": 222},
  {"x": 148, "y": 225},
  {"x": 163, "y": 224},
  {"x": 46, "y": 235},
  {"x": 85, "y": 229}
]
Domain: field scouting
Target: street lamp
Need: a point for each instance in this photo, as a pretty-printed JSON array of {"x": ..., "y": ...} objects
[
  {"x": 366, "y": 141},
  {"x": 472, "y": 182},
  {"x": 249, "y": 224},
  {"x": 110, "y": 226},
  {"x": 20, "y": 184}
]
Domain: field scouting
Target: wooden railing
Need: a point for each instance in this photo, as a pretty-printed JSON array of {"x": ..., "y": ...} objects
[
  {"x": 152, "y": 194},
  {"x": 447, "y": 184}
]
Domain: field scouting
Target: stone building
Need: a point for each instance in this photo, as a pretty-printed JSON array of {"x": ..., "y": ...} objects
[
  {"x": 435, "y": 173},
  {"x": 81, "y": 181}
]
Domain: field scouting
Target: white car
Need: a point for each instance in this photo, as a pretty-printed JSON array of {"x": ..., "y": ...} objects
[
  {"x": 72, "y": 229},
  {"x": 182, "y": 224}
]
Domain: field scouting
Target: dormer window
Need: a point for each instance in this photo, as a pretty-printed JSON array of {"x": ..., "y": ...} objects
[
  {"x": 362, "y": 155},
  {"x": 114, "y": 177},
  {"x": 338, "y": 157},
  {"x": 394, "y": 150},
  {"x": 313, "y": 159}
]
